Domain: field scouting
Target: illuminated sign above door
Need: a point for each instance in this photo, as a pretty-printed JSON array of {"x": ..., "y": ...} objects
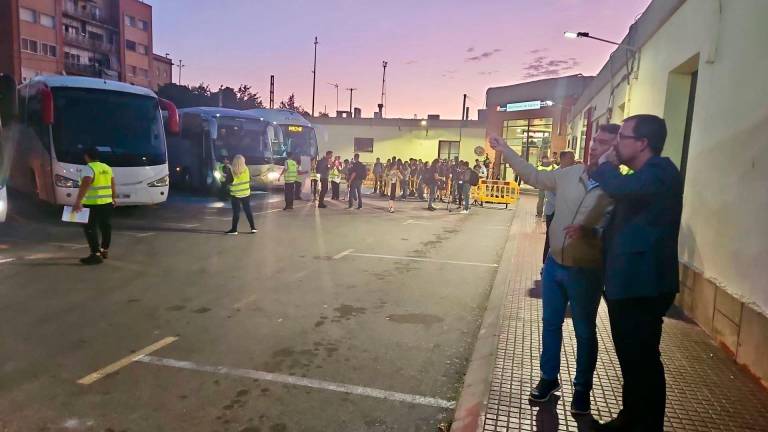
[{"x": 522, "y": 106}]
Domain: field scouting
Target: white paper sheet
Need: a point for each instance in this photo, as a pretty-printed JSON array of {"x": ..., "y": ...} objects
[{"x": 77, "y": 217}]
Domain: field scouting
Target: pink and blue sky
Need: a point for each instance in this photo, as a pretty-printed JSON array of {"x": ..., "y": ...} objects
[{"x": 437, "y": 49}]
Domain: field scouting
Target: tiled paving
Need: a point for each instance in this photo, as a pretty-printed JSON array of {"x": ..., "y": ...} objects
[{"x": 706, "y": 389}]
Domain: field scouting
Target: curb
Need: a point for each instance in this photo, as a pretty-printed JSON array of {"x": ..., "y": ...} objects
[{"x": 470, "y": 408}]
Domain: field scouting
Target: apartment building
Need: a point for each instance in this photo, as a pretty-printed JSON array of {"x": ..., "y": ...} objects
[{"x": 110, "y": 39}]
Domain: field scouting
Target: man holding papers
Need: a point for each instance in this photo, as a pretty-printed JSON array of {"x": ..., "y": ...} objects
[{"x": 97, "y": 193}]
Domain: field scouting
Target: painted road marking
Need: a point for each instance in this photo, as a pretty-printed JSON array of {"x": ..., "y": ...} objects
[
  {"x": 69, "y": 245},
  {"x": 411, "y": 221},
  {"x": 421, "y": 259},
  {"x": 7, "y": 260},
  {"x": 101, "y": 373},
  {"x": 306, "y": 382},
  {"x": 341, "y": 255},
  {"x": 180, "y": 225},
  {"x": 135, "y": 234},
  {"x": 217, "y": 218}
]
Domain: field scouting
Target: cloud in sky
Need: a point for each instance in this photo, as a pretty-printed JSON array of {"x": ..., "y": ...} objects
[
  {"x": 410, "y": 62},
  {"x": 488, "y": 73},
  {"x": 544, "y": 67},
  {"x": 483, "y": 55},
  {"x": 537, "y": 51},
  {"x": 471, "y": 49}
]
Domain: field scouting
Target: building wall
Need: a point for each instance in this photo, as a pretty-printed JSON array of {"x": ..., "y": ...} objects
[
  {"x": 10, "y": 61},
  {"x": 162, "y": 71},
  {"x": 722, "y": 242},
  {"x": 136, "y": 62},
  {"x": 407, "y": 140},
  {"x": 36, "y": 64}
]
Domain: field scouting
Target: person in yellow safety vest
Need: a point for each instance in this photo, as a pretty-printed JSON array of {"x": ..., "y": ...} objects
[
  {"x": 97, "y": 194},
  {"x": 335, "y": 178},
  {"x": 290, "y": 174},
  {"x": 314, "y": 179},
  {"x": 240, "y": 193},
  {"x": 544, "y": 165}
]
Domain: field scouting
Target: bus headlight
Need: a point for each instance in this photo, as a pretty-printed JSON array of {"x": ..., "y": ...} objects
[
  {"x": 161, "y": 182},
  {"x": 272, "y": 176},
  {"x": 65, "y": 182}
]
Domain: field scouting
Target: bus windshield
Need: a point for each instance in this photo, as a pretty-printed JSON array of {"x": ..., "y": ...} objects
[
  {"x": 245, "y": 137},
  {"x": 126, "y": 128},
  {"x": 298, "y": 139}
]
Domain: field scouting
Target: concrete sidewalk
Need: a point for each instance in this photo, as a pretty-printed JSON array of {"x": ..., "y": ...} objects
[{"x": 706, "y": 389}]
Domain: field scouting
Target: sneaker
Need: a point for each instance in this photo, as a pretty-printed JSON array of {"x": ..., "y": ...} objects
[
  {"x": 254, "y": 230},
  {"x": 321, "y": 206},
  {"x": 231, "y": 232},
  {"x": 359, "y": 208},
  {"x": 391, "y": 210},
  {"x": 287, "y": 208},
  {"x": 91, "y": 259},
  {"x": 431, "y": 208},
  {"x": 580, "y": 404},
  {"x": 464, "y": 211},
  {"x": 104, "y": 253},
  {"x": 544, "y": 390}
]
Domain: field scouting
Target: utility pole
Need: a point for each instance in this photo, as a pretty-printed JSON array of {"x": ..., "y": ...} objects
[
  {"x": 467, "y": 114},
  {"x": 337, "y": 94},
  {"x": 464, "y": 107},
  {"x": 271, "y": 92},
  {"x": 180, "y": 65},
  {"x": 383, "y": 87},
  {"x": 350, "y": 90},
  {"x": 314, "y": 78}
]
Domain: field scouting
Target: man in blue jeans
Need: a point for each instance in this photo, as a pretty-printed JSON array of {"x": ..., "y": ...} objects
[
  {"x": 357, "y": 173},
  {"x": 573, "y": 270}
]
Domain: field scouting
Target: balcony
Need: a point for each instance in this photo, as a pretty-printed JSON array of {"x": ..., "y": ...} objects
[
  {"x": 94, "y": 16},
  {"x": 91, "y": 70},
  {"x": 88, "y": 43}
]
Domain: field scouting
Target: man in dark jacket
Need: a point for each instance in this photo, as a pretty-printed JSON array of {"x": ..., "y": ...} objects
[
  {"x": 641, "y": 274},
  {"x": 324, "y": 170}
]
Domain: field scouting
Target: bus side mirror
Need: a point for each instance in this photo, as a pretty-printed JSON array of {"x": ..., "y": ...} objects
[
  {"x": 172, "y": 122},
  {"x": 213, "y": 128},
  {"x": 46, "y": 106}
]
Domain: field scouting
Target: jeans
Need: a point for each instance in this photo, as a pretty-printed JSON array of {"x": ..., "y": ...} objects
[
  {"x": 245, "y": 203},
  {"x": 99, "y": 219},
  {"x": 289, "y": 194},
  {"x": 420, "y": 190},
  {"x": 297, "y": 189},
  {"x": 432, "y": 188},
  {"x": 356, "y": 193},
  {"x": 466, "y": 187},
  {"x": 323, "y": 190},
  {"x": 581, "y": 287},
  {"x": 404, "y": 187},
  {"x": 335, "y": 186},
  {"x": 549, "y": 218},
  {"x": 636, "y": 329},
  {"x": 314, "y": 188}
]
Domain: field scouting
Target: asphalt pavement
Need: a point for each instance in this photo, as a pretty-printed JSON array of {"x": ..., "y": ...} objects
[{"x": 325, "y": 320}]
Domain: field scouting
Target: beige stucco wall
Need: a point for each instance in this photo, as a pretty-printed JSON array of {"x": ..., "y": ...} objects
[
  {"x": 402, "y": 142},
  {"x": 726, "y": 190}
]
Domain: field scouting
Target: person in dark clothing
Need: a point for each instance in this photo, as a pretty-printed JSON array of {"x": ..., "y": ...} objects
[
  {"x": 641, "y": 273},
  {"x": 357, "y": 173},
  {"x": 97, "y": 193},
  {"x": 324, "y": 170}
]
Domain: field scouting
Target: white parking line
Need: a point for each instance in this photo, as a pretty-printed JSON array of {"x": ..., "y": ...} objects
[
  {"x": 217, "y": 218},
  {"x": 135, "y": 234},
  {"x": 412, "y": 222},
  {"x": 125, "y": 361},
  {"x": 341, "y": 255},
  {"x": 306, "y": 382},
  {"x": 69, "y": 245},
  {"x": 180, "y": 225},
  {"x": 7, "y": 260},
  {"x": 421, "y": 259}
]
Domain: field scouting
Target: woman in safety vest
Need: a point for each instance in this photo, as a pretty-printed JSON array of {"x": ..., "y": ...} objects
[{"x": 240, "y": 193}]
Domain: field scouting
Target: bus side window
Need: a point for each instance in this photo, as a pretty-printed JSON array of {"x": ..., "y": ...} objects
[{"x": 34, "y": 119}]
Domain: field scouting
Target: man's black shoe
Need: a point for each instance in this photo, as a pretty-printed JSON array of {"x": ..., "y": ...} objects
[
  {"x": 619, "y": 424},
  {"x": 321, "y": 206},
  {"x": 544, "y": 390},
  {"x": 91, "y": 259},
  {"x": 580, "y": 404}
]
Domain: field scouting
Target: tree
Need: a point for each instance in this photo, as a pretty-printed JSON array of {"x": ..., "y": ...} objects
[
  {"x": 201, "y": 95},
  {"x": 323, "y": 114},
  {"x": 247, "y": 99},
  {"x": 291, "y": 105}
]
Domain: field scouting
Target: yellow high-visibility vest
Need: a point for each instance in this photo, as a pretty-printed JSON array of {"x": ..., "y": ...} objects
[
  {"x": 291, "y": 171},
  {"x": 541, "y": 167},
  {"x": 100, "y": 191},
  {"x": 241, "y": 186}
]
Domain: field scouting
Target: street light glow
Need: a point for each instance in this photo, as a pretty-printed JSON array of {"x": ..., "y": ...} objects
[
  {"x": 571, "y": 35},
  {"x": 423, "y": 122}
]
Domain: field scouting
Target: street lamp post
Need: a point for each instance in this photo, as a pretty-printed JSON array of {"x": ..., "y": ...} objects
[{"x": 575, "y": 35}]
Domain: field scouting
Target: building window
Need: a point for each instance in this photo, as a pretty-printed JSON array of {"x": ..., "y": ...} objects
[
  {"x": 144, "y": 73},
  {"x": 47, "y": 20},
  {"x": 530, "y": 138},
  {"x": 27, "y": 15},
  {"x": 132, "y": 71},
  {"x": 29, "y": 45},
  {"x": 143, "y": 25},
  {"x": 130, "y": 45},
  {"x": 141, "y": 49},
  {"x": 48, "y": 49},
  {"x": 447, "y": 149},
  {"x": 363, "y": 145},
  {"x": 130, "y": 21}
]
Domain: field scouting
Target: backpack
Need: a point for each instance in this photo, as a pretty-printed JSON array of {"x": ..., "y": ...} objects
[{"x": 474, "y": 178}]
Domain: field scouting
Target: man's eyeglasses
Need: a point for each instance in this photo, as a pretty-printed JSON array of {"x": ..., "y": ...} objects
[{"x": 628, "y": 137}]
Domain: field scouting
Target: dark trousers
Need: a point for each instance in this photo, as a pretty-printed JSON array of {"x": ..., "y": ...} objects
[
  {"x": 314, "y": 189},
  {"x": 335, "y": 186},
  {"x": 323, "y": 190},
  {"x": 99, "y": 219},
  {"x": 297, "y": 190},
  {"x": 636, "y": 329},
  {"x": 549, "y": 219},
  {"x": 245, "y": 203},
  {"x": 356, "y": 193},
  {"x": 289, "y": 191}
]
